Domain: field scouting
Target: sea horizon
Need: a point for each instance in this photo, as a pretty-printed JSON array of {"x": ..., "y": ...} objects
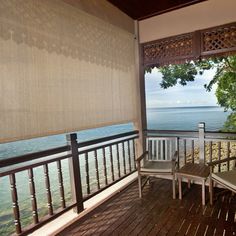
[{"x": 182, "y": 107}]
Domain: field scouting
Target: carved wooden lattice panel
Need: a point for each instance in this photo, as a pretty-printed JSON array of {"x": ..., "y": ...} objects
[
  {"x": 219, "y": 39},
  {"x": 169, "y": 50}
]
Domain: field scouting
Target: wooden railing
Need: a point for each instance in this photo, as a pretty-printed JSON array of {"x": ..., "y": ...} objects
[
  {"x": 201, "y": 146},
  {"x": 101, "y": 163}
]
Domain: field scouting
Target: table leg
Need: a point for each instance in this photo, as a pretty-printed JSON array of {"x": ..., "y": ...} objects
[
  {"x": 211, "y": 191},
  {"x": 203, "y": 193},
  {"x": 180, "y": 187}
]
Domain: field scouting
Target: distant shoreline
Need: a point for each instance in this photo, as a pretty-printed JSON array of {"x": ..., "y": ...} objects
[{"x": 152, "y": 108}]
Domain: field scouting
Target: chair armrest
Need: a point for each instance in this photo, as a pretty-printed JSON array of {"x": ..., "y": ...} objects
[
  {"x": 142, "y": 156},
  {"x": 213, "y": 163}
]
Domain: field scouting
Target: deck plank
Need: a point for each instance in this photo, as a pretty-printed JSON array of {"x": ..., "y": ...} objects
[{"x": 158, "y": 214}]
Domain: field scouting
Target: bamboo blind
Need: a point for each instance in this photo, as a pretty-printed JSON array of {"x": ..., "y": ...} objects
[{"x": 62, "y": 70}]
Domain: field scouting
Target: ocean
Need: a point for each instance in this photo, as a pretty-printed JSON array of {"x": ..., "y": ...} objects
[
  {"x": 181, "y": 118},
  {"x": 186, "y": 118}
]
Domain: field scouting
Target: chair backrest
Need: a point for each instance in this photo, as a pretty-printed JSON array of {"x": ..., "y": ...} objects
[{"x": 161, "y": 148}]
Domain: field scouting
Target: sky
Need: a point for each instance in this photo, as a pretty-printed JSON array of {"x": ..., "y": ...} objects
[{"x": 193, "y": 94}]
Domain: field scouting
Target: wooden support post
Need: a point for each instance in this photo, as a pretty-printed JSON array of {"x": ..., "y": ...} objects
[
  {"x": 201, "y": 131},
  {"x": 75, "y": 177}
]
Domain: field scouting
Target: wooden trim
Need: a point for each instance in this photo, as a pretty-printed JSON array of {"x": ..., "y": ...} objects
[
  {"x": 223, "y": 44},
  {"x": 106, "y": 139},
  {"x": 214, "y": 41},
  {"x": 75, "y": 176},
  {"x": 13, "y": 169},
  {"x": 171, "y": 9},
  {"x": 32, "y": 156},
  {"x": 142, "y": 95},
  {"x": 191, "y": 134}
]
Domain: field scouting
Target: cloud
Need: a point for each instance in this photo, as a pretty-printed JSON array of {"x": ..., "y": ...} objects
[{"x": 190, "y": 95}]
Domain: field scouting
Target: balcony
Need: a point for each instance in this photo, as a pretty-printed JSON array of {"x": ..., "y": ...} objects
[{"x": 68, "y": 66}]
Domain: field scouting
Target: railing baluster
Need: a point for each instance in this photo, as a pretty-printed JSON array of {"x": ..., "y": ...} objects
[
  {"x": 150, "y": 149},
  {"x": 164, "y": 149},
  {"x": 192, "y": 155},
  {"x": 177, "y": 147},
  {"x": 96, "y": 167},
  {"x": 228, "y": 155},
  {"x": 123, "y": 150},
  {"x": 105, "y": 165},
  {"x": 15, "y": 205},
  {"x": 210, "y": 151},
  {"x": 61, "y": 185},
  {"x": 155, "y": 149},
  {"x": 129, "y": 155},
  {"x": 219, "y": 155},
  {"x": 33, "y": 196},
  {"x": 118, "y": 159},
  {"x": 48, "y": 189},
  {"x": 87, "y": 173},
  {"x": 111, "y": 161},
  {"x": 134, "y": 153},
  {"x": 185, "y": 158},
  {"x": 161, "y": 146}
]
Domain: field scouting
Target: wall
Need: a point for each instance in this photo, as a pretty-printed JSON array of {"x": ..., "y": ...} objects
[{"x": 203, "y": 15}]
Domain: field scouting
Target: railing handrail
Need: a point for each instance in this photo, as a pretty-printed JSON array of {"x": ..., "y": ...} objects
[
  {"x": 106, "y": 139},
  {"x": 31, "y": 164},
  {"x": 32, "y": 156},
  {"x": 41, "y": 154},
  {"x": 177, "y": 133},
  {"x": 104, "y": 145}
]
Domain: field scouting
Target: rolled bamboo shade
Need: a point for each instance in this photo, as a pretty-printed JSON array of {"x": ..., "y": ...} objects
[{"x": 62, "y": 70}]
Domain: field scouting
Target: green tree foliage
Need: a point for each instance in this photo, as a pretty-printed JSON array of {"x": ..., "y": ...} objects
[
  {"x": 224, "y": 78},
  {"x": 230, "y": 123}
]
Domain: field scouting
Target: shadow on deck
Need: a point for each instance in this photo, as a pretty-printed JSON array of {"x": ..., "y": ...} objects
[{"x": 158, "y": 214}]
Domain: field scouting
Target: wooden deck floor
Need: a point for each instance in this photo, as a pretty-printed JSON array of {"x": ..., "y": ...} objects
[{"x": 158, "y": 214}]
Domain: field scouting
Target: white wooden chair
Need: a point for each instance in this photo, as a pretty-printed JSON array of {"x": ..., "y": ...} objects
[
  {"x": 160, "y": 159},
  {"x": 226, "y": 179}
]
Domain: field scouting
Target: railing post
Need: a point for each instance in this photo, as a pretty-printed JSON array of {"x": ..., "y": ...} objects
[
  {"x": 75, "y": 176},
  {"x": 201, "y": 131}
]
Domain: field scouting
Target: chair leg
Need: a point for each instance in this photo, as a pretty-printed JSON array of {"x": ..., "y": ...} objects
[
  {"x": 180, "y": 187},
  {"x": 203, "y": 193},
  {"x": 140, "y": 185},
  {"x": 173, "y": 186},
  {"x": 211, "y": 191}
]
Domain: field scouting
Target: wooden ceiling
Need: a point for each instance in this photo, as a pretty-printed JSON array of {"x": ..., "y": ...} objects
[{"x": 141, "y": 9}]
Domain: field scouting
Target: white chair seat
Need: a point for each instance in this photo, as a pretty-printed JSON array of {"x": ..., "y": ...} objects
[
  {"x": 157, "y": 166},
  {"x": 227, "y": 178}
]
